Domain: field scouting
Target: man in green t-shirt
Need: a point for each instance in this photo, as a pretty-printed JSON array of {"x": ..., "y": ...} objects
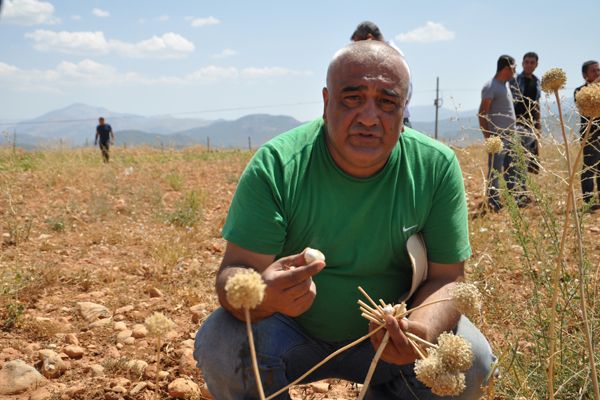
[{"x": 356, "y": 185}]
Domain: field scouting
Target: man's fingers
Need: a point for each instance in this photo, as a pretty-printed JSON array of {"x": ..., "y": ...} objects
[
  {"x": 304, "y": 272},
  {"x": 397, "y": 337}
]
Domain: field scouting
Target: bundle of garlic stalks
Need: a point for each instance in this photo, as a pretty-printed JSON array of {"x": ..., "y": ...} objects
[{"x": 440, "y": 366}]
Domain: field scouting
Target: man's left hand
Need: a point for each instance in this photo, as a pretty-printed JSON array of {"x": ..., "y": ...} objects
[{"x": 398, "y": 351}]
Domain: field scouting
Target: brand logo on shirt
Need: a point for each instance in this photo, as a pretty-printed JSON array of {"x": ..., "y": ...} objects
[{"x": 405, "y": 229}]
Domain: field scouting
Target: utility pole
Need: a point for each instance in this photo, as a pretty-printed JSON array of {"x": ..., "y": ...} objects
[
  {"x": 437, "y": 103},
  {"x": 249, "y": 143}
]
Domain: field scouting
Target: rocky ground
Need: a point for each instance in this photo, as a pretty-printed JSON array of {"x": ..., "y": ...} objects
[{"x": 90, "y": 251}]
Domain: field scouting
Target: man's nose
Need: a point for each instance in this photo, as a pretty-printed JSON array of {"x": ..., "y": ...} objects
[{"x": 369, "y": 114}]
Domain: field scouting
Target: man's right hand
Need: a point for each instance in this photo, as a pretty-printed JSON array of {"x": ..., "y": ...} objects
[{"x": 290, "y": 288}]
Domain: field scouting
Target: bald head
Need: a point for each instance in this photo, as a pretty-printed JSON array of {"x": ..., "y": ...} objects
[{"x": 372, "y": 55}]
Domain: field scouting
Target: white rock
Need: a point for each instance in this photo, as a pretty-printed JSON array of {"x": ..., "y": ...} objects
[
  {"x": 183, "y": 388},
  {"x": 92, "y": 311},
  {"x": 16, "y": 377},
  {"x": 120, "y": 326},
  {"x": 123, "y": 335}
]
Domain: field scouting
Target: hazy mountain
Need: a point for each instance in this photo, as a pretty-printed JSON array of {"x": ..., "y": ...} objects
[
  {"x": 76, "y": 124},
  {"x": 258, "y": 127}
]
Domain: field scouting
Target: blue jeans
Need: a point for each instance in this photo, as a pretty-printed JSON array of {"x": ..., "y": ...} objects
[
  {"x": 285, "y": 352},
  {"x": 506, "y": 164}
]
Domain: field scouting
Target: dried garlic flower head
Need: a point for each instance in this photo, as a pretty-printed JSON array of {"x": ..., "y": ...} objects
[
  {"x": 158, "y": 325},
  {"x": 245, "y": 289},
  {"x": 449, "y": 384},
  {"x": 466, "y": 298},
  {"x": 493, "y": 145},
  {"x": 454, "y": 352},
  {"x": 553, "y": 80},
  {"x": 429, "y": 368},
  {"x": 588, "y": 100}
]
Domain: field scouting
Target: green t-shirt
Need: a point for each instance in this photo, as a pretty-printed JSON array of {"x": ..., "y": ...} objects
[{"x": 292, "y": 195}]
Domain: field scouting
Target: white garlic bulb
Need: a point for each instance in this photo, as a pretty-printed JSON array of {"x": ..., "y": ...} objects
[{"x": 311, "y": 255}]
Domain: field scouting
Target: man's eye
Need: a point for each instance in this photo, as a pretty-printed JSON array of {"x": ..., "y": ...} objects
[
  {"x": 388, "y": 104},
  {"x": 352, "y": 100}
]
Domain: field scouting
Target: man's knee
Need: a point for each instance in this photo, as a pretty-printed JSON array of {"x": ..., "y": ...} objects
[{"x": 484, "y": 361}]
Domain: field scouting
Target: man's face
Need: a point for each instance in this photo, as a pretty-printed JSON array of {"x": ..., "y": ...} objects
[
  {"x": 592, "y": 73},
  {"x": 364, "y": 107},
  {"x": 101, "y": 121},
  {"x": 529, "y": 65}
]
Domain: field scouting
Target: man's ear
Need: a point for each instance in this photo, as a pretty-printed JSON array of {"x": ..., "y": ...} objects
[{"x": 325, "y": 102}]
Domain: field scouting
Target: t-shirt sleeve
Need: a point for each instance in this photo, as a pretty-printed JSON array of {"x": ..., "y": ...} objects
[
  {"x": 446, "y": 231},
  {"x": 256, "y": 220},
  {"x": 487, "y": 92}
]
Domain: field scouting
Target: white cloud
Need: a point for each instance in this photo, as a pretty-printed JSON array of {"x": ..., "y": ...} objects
[
  {"x": 76, "y": 17},
  {"x": 213, "y": 73},
  {"x": 169, "y": 45},
  {"x": 430, "y": 32},
  {"x": 163, "y": 18},
  {"x": 271, "y": 72},
  {"x": 199, "y": 22},
  {"x": 89, "y": 73},
  {"x": 69, "y": 42},
  {"x": 100, "y": 13},
  {"x": 29, "y": 12},
  {"x": 225, "y": 53}
]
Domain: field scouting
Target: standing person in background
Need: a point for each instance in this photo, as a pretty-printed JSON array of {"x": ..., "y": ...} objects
[
  {"x": 105, "y": 137},
  {"x": 591, "y": 152},
  {"x": 526, "y": 92},
  {"x": 368, "y": 30},
  {"x": 497, "y": 118}
]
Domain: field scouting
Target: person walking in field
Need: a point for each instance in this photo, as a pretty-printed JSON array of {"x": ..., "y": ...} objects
[
  {"x": 355, "y": 184},
  {"x": 590, "y": 171},
  {"x": 104, "y": 137},
  {"x": 497, "y": 118}
]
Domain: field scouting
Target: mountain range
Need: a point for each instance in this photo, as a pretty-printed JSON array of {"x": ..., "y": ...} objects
[{"x": 74, "y": 126}]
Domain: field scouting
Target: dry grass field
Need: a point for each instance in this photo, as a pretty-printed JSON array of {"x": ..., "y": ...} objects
[{"x": 142, "y": 235}]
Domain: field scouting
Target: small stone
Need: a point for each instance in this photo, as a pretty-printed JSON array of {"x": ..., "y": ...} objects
[
  {"x": 101, "y": 322},
  {"x": 129, "y": 341},
  {"x": 163, "y": 375},
  {"x": 139, "y": 331},
  {"x": 16, "y": 377},
  {"x": 113, "y": 352},
  {"x": 187, "y": 364},
  {"x": 155, "y": 292},
  {"x": 73, "y": 351},
  {"x": 51, "y": 364},
  {"x": 97, "y": 370},
  {"x": 71, "y": 338},
  {"x": 92, "y": 312},
  {"x": 137, "y": 366},
  {"x": 198, "y": 312},
  {"x": 124, "y": 334},
  {"x": 120, "y": 346},
  {"x": 183, "y": 388},
  {"x": 119, "y": 389},
  {"x": 124, "y": 309},
  {"x": 120, "y": 326},
  {"x": 138, "y": 388}
]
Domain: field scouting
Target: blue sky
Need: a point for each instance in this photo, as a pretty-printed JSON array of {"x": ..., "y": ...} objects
[{"x": 225, "y": 59}]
